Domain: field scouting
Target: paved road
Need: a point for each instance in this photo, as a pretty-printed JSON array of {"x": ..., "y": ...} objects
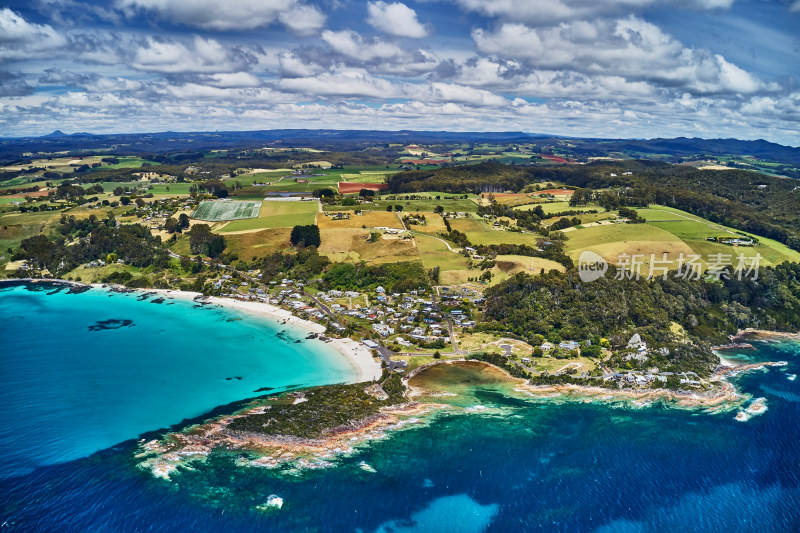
[
  {"x": 325, "y": 308},
  {"x": 435, "y": 299}
]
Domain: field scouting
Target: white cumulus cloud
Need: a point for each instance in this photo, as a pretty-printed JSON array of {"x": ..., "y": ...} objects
[
  {"x": 395, "y": 19},
  {"x": 547, "y": 12},
  {"x": 20, "y": 39},
  {"x": 202, "y": 56},
  {"x": 630, "y": 47},
  {"x": 351, "y": 44},
  {"x": 235, "y": 15}
]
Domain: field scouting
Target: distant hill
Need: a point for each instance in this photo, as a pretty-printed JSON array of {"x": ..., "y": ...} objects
[
  {"x": 142, "y": 143},
  {"x": 154, "y": 143},
  {"x": 686, "y": 147}
]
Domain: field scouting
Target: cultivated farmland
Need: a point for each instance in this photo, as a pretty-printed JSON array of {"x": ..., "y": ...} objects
[
  {"x": 276, "y": 214},
  {"x": 221, "y": 210}
]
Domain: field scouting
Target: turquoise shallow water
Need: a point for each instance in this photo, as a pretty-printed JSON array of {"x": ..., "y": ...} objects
[
  {"x": 516, "y": 466},
  {"x": 72, "y": 383}
]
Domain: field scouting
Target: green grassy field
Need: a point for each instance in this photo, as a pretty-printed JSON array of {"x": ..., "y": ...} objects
[
  {"x": 612, "y": 240},
  {"x": 423, "y": 206},
  {"x": 290, "y": 185},
  {"x": 246, "y": 180},
  {"x": 284, "y": 181},
  {"x": 11, "y": 235},
  {"x": 669, "y": 231},
  {"x": 22, "y": 180},
  {"x": 168, "y": 188},
  {"x": 220, "y": 210},
  {"x": 490, "y": 236},
  {"x": 694, "y": 230},
  {"x": 587, "y": 218},
  {"x": 276, "y": 214},
  {"x": 557, "y": 207},
  {"x": 29, "y": 218},
  {"x": 434, "y": 253},
  {"x": 109, "y": 186}
]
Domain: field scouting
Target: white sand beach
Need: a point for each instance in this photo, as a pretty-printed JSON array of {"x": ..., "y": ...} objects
[{"x": 367, "y": 368}]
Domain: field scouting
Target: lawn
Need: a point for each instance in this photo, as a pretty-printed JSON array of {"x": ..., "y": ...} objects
[
  {"x": 220, "y": 210},
  {"x": 276, "y": 214}
]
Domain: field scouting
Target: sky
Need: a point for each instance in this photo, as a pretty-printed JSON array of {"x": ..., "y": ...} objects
[{"x": 588, "y": 68}]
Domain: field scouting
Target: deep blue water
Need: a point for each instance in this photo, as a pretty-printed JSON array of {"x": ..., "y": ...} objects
[
  {"x": 72, "y": 383},
  {"x": 518, "y": 466}
]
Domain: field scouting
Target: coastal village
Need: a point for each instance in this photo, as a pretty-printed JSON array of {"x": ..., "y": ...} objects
[
  {"x": 418, "y": 326},
  {"x": 472, "y": 240}
]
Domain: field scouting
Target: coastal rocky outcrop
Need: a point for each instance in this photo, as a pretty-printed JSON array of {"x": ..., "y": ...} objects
[{"x": 275, "y": 431}]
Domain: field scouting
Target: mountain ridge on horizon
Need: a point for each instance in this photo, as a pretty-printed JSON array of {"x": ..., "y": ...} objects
[
  {"x": 59, "y": 133},
  {"x": 169, "y": 141}
]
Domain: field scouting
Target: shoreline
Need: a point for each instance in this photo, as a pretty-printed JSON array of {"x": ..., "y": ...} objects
[
  {"x": 727, "y": 397},
  {"x": 765, "y": 334},
  {"x": 164, "y": 455},
  {"x": 356, "y": 354}
]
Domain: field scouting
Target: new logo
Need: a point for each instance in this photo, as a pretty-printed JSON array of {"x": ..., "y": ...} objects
[{"x": 591, "y": 266}]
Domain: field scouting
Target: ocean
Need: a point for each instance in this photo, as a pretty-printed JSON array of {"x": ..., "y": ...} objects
[{"x": 505, "y": 464}]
